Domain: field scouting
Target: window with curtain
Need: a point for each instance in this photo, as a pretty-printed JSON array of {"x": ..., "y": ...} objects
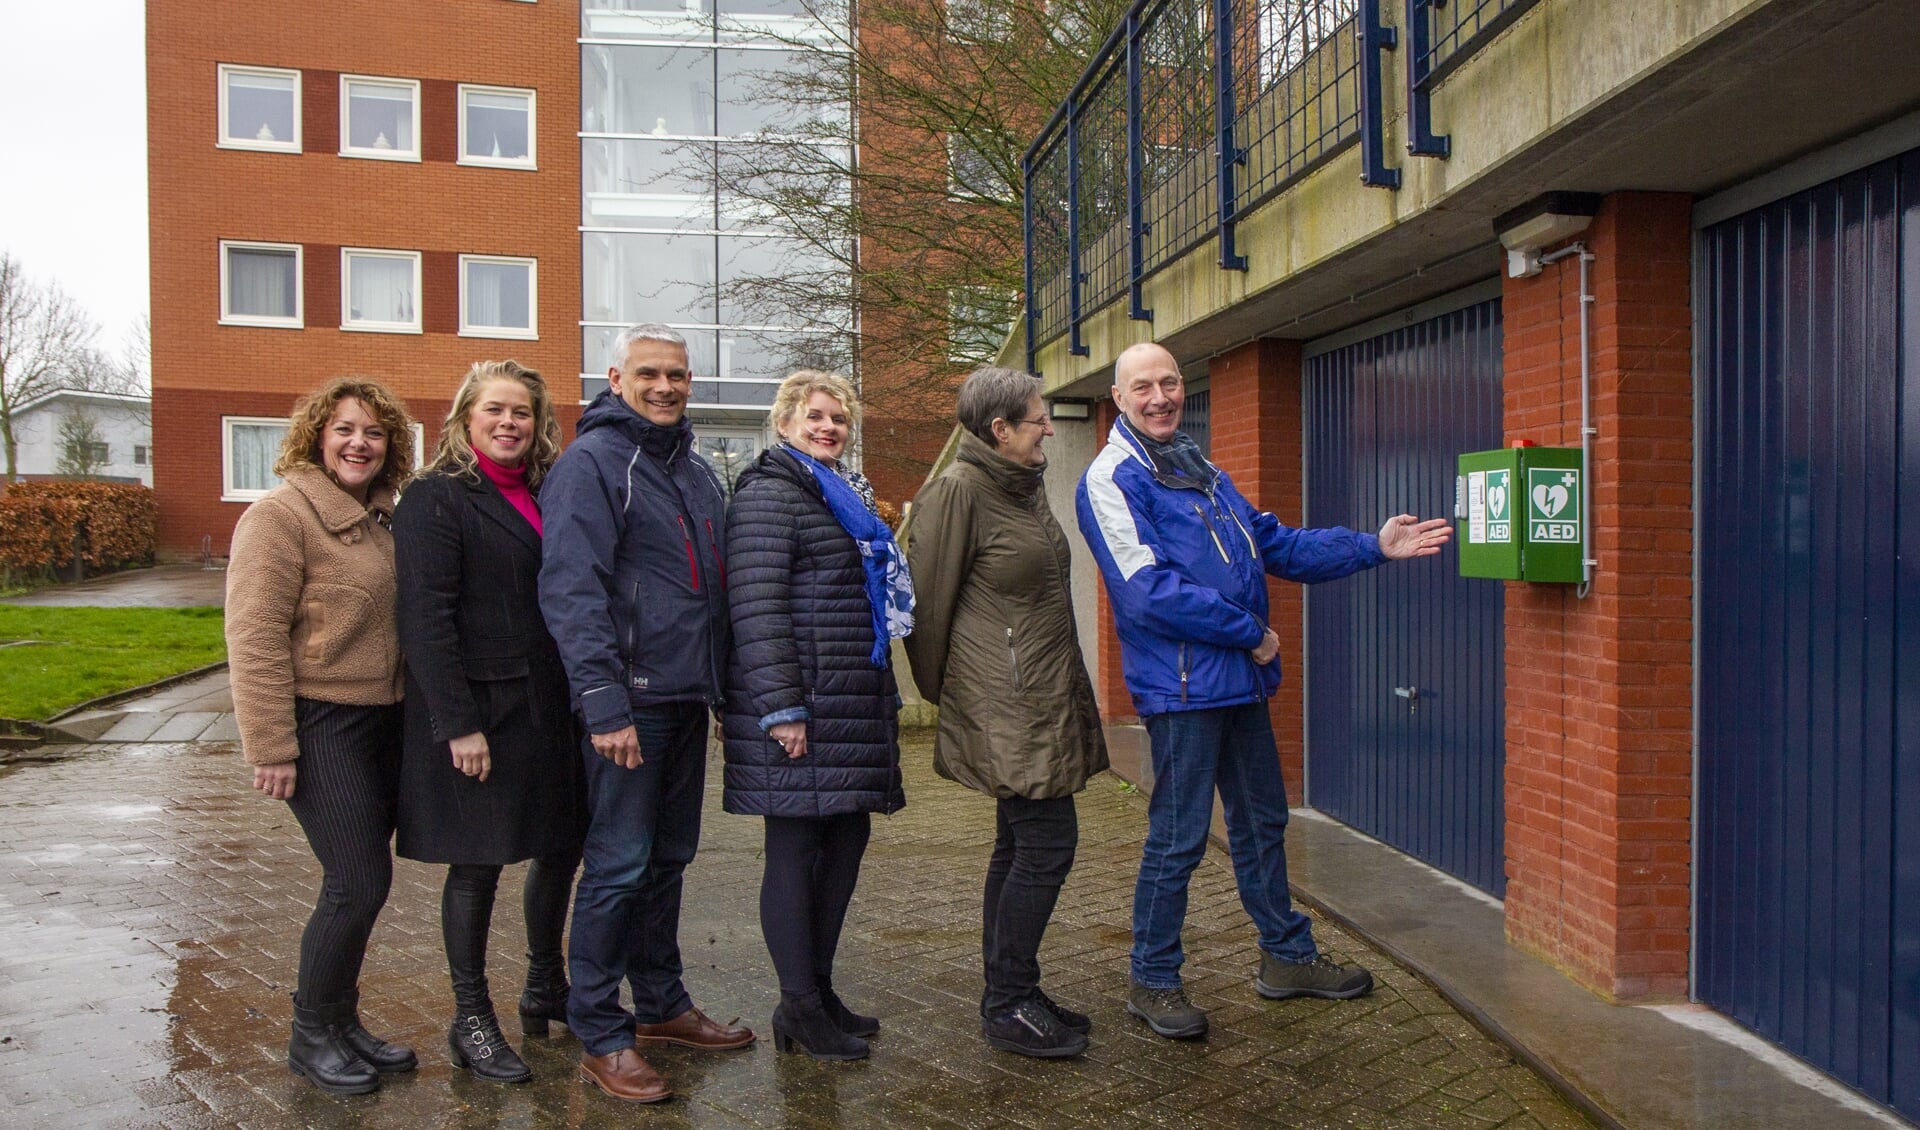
[
  {"x": 496, "y": 127},
  {"x": 497, "y": 297},
  {"x": 381, "y": 291},
  {"x": 260, "y": 284},
  {"x": 381, "y": 118},
  {"x": 252, "y": 444},
  {"x": 259, "y": 109}
]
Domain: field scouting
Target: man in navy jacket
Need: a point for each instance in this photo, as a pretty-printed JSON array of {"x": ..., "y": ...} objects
[
  {"x": 633, "y": 589},
  {"x": 1186, "y": 560}
]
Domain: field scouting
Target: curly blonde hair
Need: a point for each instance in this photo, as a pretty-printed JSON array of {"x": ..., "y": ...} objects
[
  {"x": 454, "y": 451},
  {"x": 301, "y": 446},
  {"x": 799, "y": 388}
]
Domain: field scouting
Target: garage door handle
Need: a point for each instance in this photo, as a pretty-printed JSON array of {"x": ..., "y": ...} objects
[{"x": 1412, "y": 695}]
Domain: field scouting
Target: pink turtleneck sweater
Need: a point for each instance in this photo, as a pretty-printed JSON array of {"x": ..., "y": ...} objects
[{"x": 512, "y": 482}]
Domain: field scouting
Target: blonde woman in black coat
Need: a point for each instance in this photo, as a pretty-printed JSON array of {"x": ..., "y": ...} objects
[
  {"x": 816, "y": 589},
  {"x": 490, "y": 774}
]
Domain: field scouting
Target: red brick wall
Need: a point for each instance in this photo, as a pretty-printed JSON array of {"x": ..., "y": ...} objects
[
  {"x": 1255, "y": 414},
  {"x": 1599, "y": 774},
  {"x": 200, "y": 194}
]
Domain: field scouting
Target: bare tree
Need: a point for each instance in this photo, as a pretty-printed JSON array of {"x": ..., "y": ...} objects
[
  {"x": 46, "y": 343},
  {"x": 908, "y": 208},
  {"x": 83, "y": 448}
]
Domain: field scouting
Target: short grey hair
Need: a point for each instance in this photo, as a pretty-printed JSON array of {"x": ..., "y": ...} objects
[
  {"x": 990, "y": 394},
  {"x": 645, "y": 331}
]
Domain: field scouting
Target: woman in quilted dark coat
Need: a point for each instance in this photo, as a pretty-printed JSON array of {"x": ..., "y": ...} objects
[{"x": 816, "y": 588}]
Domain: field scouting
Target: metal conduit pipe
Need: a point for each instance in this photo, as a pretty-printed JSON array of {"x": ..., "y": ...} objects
[{"x": 1587, "y": 431}]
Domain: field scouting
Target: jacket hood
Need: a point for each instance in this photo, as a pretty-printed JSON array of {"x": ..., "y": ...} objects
[
  {"x": 338, "y": 511},
  {"x": 1017, "y": 480},
  {"x": 609, "y": 411},
  {"x": 779, "y": 463}
]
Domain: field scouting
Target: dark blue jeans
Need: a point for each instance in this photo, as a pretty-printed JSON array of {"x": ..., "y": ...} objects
[
  {"x": 1032, "y": 853},
  {"x": 1194, "y": 751},
  {"x": 643, "y": 827}
]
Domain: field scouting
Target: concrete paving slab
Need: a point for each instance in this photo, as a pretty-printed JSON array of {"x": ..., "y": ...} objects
[
  {"x": 149, "y": 887},
  {"x": 163, "y": 586},
  {"x": 1656, "y": 1067},
  {"x": 183, "y": 727},
  {"x": 225, "y": 728},
  {"x": 135, "y": 727}
]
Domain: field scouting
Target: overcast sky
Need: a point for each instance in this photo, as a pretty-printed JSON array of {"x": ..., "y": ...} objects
[{"x": 73, "y": 151}]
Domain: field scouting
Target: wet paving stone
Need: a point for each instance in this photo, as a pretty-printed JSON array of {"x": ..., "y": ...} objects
[{"x": 151, "y": 907}]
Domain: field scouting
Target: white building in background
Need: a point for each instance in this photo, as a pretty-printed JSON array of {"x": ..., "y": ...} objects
[{"x": 122, "y": 424}]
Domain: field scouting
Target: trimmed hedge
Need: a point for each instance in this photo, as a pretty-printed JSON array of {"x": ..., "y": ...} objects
[{"x": 115, "y": 523}]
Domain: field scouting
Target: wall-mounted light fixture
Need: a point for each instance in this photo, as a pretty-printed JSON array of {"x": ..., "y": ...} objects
[
  {"x": 1070, "y": 408},
  {"x": 1547, "y": 219}
]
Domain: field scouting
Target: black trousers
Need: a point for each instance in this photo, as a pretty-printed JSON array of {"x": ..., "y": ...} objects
[
  {"x": 1032, "y": 853},
  {"x": 466, "y": 916},
  {"x": 813, "y": 864},
  {"x": 345, "y": 795}
]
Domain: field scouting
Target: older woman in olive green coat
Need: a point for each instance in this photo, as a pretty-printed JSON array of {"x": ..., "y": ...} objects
[{"x": 994, "y": 646}]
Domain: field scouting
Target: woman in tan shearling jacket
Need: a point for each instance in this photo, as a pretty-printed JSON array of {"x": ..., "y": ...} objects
[
  {"x": 314, "y": 661},
  {"x": 994, "y": 646}
]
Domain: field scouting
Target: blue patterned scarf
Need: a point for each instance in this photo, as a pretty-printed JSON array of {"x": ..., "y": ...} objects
[{"x": 889, "y": 585}]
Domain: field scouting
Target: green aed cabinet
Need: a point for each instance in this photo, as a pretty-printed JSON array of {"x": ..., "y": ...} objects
[{"x": 1517, "y": 511}]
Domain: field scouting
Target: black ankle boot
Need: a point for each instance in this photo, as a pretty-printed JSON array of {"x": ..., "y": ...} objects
[
  {"x": 545, "y": 998},
  {"x": 803, "y": 1020},
  {"x": 384, "y": 1057},
  {"x": 474, "y": 1036},
  {"x": 844, "y": 1018},
  {"x": 318, "y": 1051}
]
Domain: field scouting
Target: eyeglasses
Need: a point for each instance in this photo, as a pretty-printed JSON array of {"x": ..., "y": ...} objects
[{"x": 1042, "y": 422}]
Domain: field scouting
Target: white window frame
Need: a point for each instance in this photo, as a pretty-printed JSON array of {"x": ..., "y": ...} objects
[
  {"x": 142, "y": 454},
  {"x": 346, "y": 119},
  {"x": 347, "y": 323},
  {"x": 419, "y": 431},
  {"x": 222, "y": 141},
  {"x": 229, "y": 492},
  {"x": 957, "y": 144},
  {"x": 531, "y": 160},
  {"x": 299, "y": 320},
  {"x": 532, "y": 330}
]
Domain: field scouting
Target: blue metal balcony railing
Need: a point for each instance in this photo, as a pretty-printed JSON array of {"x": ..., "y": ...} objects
[
  {"x": 1191, "y": 114},
  {"x": 1195, "y": 112},
  {"x": 1441, "y": 35}
]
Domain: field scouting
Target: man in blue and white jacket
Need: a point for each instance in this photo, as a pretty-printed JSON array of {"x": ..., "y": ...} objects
[{"x": 1186, "y": 558}]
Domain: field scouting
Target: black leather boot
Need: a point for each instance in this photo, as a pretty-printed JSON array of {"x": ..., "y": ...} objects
[
  {"x": 477, "y": 1045},
  {"x": 318, "y": 1051},
  {"x": 386, "y": 1058},
  {"x": 804, "y": 1021},
  {"x": 466, "y": 911},
  {"x": 545, "y": 998},
  {"x": 844, "y": 1018}
]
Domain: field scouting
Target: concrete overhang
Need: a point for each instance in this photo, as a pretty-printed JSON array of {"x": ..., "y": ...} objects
[{"x": 1597, "y": 96}]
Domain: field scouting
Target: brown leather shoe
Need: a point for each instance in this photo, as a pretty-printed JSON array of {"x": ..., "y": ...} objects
[
  {"x": 624, "y": 1075},
  {"x": 694, "y": 1029}
]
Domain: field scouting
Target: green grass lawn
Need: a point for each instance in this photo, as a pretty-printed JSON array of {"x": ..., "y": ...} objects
[{"x": 83, "y": 653}]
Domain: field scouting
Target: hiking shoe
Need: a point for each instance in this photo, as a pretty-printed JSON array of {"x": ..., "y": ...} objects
[
  {"x": 1322, "y": 977},
  {"x": 1028, "y": 1028},
  {"x": 1078, "y": 1021},
  {"x": 1168, "y": 1012}
]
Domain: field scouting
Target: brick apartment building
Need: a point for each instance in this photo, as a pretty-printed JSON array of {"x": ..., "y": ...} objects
[
  {"x": 400, "y": 190},
  {"x": 363, "y": 187}
]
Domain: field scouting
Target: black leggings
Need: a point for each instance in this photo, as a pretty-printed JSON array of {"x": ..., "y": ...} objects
[
  {"x": 812, "y": 866},
  {"x": 466, "y": 915},
  {"x": 1032, "y": 854},
  {"x": 345, "y": 792}
]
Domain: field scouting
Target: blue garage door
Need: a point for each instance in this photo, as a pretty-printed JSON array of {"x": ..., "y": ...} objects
[
  {"x": 1808, "y": 341},
  {"x": 1406, "y": 727}
]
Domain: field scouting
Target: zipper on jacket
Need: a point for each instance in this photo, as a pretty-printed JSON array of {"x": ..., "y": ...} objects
[
  {"x": 1183, "y": 672},
  {"x": 1213, "y": 533},
  {"x": 693, "y": 563},
  {"x": 1013, "y": 657},
  {"x": 713, "y": 544}
]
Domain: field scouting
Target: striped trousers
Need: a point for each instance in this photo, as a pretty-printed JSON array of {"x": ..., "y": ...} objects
[{"x": 345, "y": 796}]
